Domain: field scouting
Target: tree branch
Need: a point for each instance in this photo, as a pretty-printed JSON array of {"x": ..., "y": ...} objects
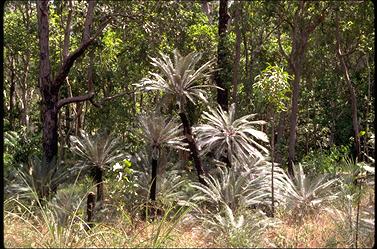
[
  {"x": 68, "y": 62},
  {"x": 75, "y": 99},
  {"x": 318, "y": 20},
  {"x": 281, "y": 47},
  {"x": 100, "y": 103}
]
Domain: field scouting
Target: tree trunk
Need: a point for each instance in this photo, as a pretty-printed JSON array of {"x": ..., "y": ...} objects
[
  {"x": 293, "y": 122},
  {"x": 98, "y": 178},
  {"x": 351, "y": 88},
  {"x": 222, "y": 75},
  {"x": 300, "y": 36},
  {"x": 50, "y": 88},
  {"x": 90, "y": 206},
  {"x": 279, "y": 136},
  {"x": 237, "y": 56},
  {"x": 192, "y": 146},
  {"x": 49, "y": 92},
  {"x": 152, "y": 194},
  {"x": 12, "y": 99}
]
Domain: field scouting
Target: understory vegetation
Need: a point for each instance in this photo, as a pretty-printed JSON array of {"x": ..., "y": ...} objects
[{"x": 242, "y": 124}]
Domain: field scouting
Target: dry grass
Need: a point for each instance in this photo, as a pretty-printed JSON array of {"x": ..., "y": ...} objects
[
  {"x": 315, "y": 232},
  {"x": 118, "y": 229}
]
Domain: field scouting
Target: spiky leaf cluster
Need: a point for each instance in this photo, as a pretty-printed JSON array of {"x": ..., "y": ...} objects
[
  {"x": 179, "y": 78},
  {"x": 97, "y": 151},
  {"x": 225, "y": 135}
]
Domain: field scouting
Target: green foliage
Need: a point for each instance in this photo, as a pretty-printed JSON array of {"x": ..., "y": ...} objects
[
  {"x": 319, "y": 162},
  {"x": 272, "y": 86}
]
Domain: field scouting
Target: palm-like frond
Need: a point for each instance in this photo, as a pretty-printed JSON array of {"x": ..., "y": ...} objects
[
  {"x": 179, "y": 77},
  {"x": 160, "y": 132},
  {"x": 170, "y": 185},
  {"x": 227, "y": 136},
  {"x": 304, "y": 193},
  {"x": 235, "y": 187},
  {"x": 42, "y": 178},
  {"x": 97, "y": 151}
]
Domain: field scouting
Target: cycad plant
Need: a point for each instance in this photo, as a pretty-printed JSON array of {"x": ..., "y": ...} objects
[
  {"x": 235, "y": 187},
  {"x": 304, "y": 194},
  {"x": 181, "y": 80},
  {"x": 226, "y": 136},
  {"x": 96, "y": 153},
  {"x": 159, "y": 133},
  {"x": 227, "y": 196},
  {"x": 41, "y": 179}
]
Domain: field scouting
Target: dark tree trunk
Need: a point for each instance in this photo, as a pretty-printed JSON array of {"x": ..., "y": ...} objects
[
  {"x": 49, "y": 91},
  {"x": 293, "y": 122},
  {"x": 90, "y": 205},
  {"x": 152, "y": 194},
  {"x": 272, "y": 166},
  {"x": 192, "y": 146},
  {"x": 98, "y": 178},
  {"x": 50, "y": 87},
  {"x": 279, "y": 137},
  {"x": 237, "y": 56},
  {"x": 300, "y": 36},
  {"x": 351, "y": 89},
  {"x": 222, "y": 76},
  {"x": 12, "y": 98}
]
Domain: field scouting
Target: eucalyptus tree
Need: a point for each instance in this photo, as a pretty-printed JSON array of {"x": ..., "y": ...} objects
[
  {"x": 352, "y": 55},
  {"x": 20, "y": 64},
  {"x": 180, "y": 81},
  {"x": 226, "y": 136},
  {"x": 159, "y": 133},
  {"x": 96, "y": 154},
  {"x": 51, "y": 82},
  {"x": 272, "y": 85},
  {"x": 301, "y": 25}
]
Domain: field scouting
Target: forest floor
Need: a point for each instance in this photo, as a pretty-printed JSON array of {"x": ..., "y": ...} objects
[{"x": 119, "y": 230}]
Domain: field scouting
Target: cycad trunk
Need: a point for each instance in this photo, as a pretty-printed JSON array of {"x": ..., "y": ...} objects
[
  {"x": 192, "y": 146},
  {"x": 90, "y": 205},
  {"x": 98, "y": 178},
  {"x": 152, "y": 194}
]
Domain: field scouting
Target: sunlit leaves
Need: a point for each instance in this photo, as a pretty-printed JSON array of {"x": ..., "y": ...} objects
[{"x": 272, "y": 84}]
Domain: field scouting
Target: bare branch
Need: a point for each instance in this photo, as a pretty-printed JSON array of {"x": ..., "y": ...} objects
[
  {"x": 67, "y": 31},
  {"x": 88, "y": 21},
  {"x": 100, "y": 103},
  {"x": 74, "y": 99},
  {"x": 68, "y": 62},
  {"x": 281, "y": 47}
]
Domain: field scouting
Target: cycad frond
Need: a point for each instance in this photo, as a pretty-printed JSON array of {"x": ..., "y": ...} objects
[
  {"x": 97, "y": 151},
  {"x": 179, "y": 78},
  {"x": 227, "y": 136},
  {"x": 304, "y": 193},
  {"x": 161, "y": 132}
]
